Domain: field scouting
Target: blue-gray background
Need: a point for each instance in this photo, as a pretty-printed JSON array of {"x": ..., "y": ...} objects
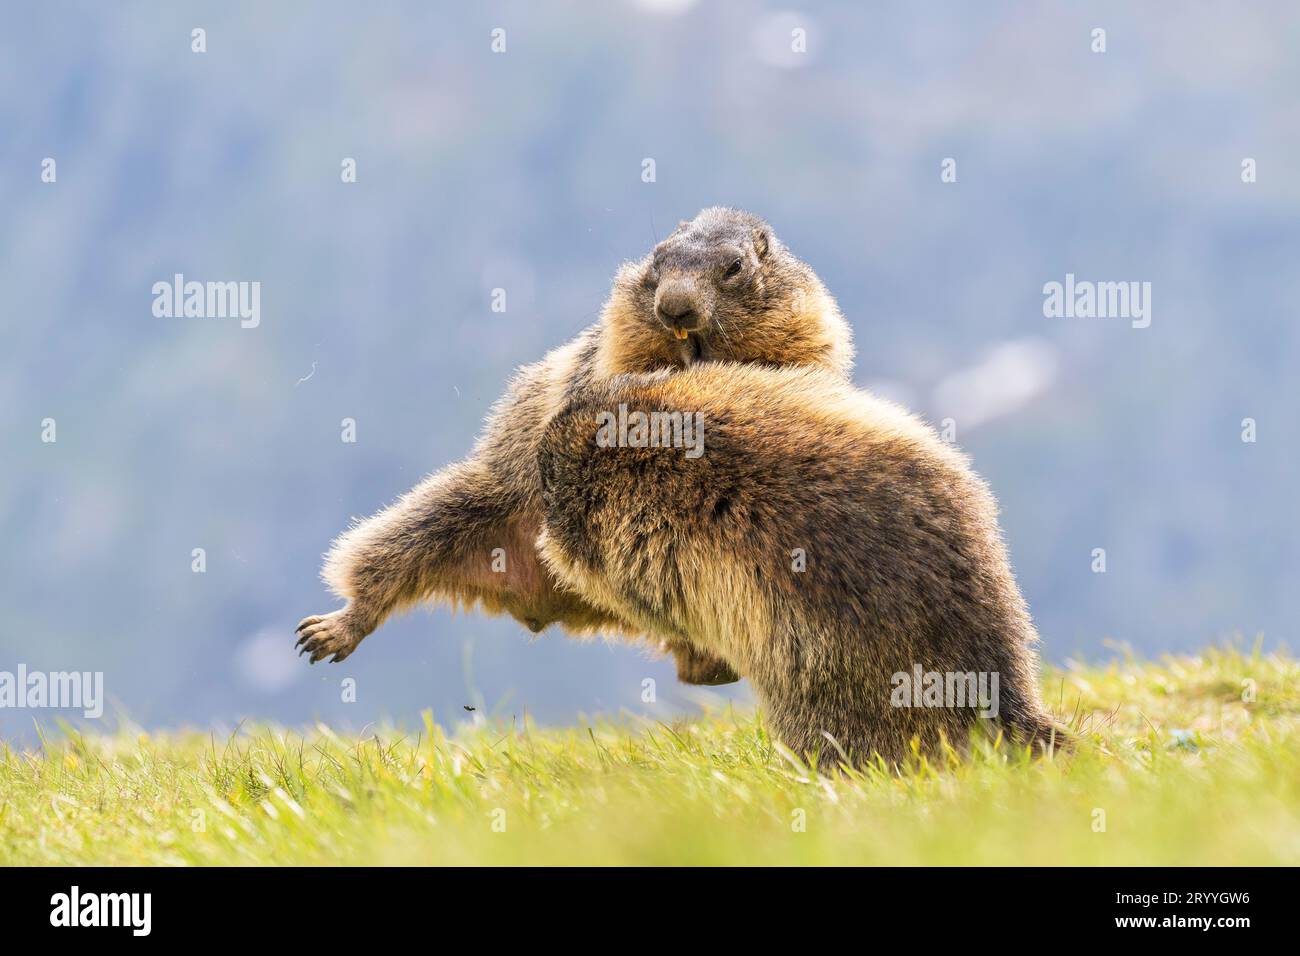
[{"x": 522, "y": 170}]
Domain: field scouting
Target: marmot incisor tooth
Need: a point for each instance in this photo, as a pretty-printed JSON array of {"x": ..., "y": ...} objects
[
  {"x": 721, "y": 287},
  {"x": 903, "y": 565}
]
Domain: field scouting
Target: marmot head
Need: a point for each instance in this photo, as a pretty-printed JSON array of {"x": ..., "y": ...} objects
[{"x": 721, "y": 287}]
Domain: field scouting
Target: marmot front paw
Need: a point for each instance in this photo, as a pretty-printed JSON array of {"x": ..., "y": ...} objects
[{"x": 324, "y": 634}]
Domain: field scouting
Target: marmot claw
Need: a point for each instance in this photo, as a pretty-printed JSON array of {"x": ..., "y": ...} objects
[{"x": 324, "y": 634}]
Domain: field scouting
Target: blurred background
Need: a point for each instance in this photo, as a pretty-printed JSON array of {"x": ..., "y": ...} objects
[{"x": 522, "y": 170}]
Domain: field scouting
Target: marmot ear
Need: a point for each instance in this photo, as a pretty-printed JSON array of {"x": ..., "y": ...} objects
[{"x": 761, "y": 242}]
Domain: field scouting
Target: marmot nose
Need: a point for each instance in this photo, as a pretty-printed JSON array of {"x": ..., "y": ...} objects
[{"x": 677, "y": 307}]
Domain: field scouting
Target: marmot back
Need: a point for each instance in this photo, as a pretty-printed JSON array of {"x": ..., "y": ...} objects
[{"x": 823, "y": 544}]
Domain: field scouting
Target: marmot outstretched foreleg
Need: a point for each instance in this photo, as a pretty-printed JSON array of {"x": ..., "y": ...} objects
[{"x": 432, "y": 543}]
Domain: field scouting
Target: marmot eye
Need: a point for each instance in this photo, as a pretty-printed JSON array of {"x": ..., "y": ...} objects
[{"x": 732, "y": 270}]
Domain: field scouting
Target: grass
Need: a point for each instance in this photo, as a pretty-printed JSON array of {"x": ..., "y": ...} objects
[{"x": 1183, "y": 769}]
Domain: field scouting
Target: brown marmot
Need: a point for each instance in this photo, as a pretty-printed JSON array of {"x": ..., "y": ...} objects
[
  {"x": 720, "y": 287},
  {"x": 825, "y": 544}
]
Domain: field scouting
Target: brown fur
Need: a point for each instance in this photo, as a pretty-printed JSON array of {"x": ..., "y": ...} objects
[
  {"x": 905, "y": 563},
  {"x": 744, "y": 297}
]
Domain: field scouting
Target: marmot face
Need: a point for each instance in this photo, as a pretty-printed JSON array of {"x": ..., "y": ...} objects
[{"x": 721, "y": 287}]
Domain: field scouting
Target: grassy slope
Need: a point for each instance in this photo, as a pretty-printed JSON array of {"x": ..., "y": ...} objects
[{"x": 1185, "y": 771}]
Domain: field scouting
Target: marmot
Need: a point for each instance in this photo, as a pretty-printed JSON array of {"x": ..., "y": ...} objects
[
  {"x": 720, "y": 287},
  {"x": 826, "y": 544}
]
